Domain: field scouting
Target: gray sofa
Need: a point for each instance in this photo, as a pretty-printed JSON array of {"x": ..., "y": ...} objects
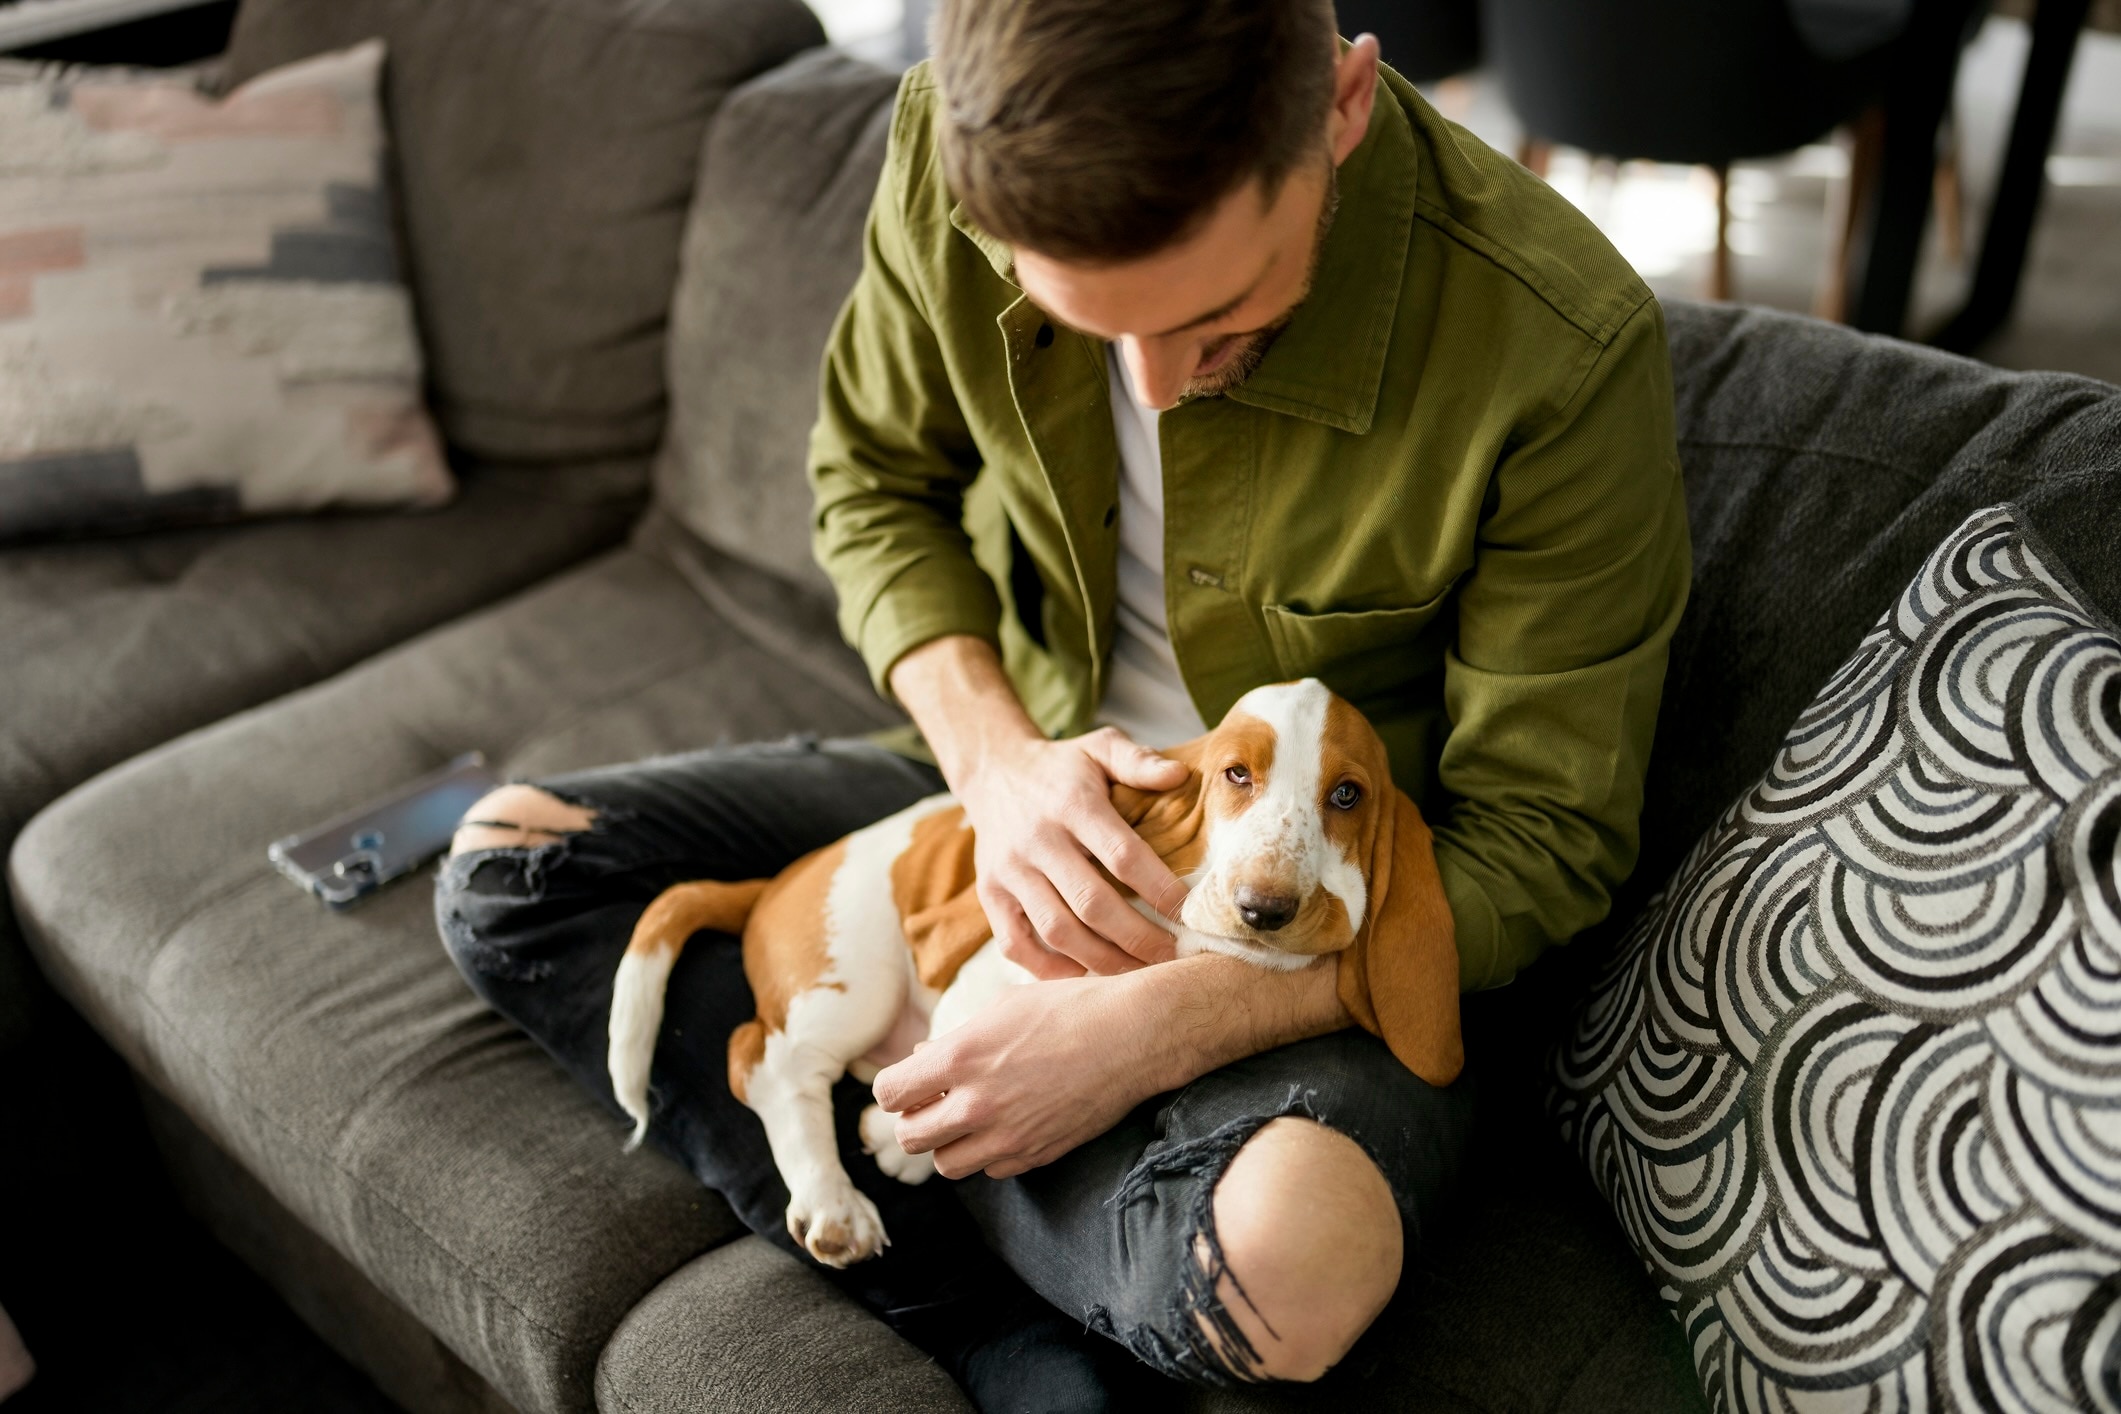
[
  {"x": 421, "y": 1183},
  {"x": 543, "y": 269}
]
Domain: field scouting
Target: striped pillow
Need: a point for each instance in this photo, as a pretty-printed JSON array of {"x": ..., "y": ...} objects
[
  {"x": 200, "y": 309},
  {"x": 1853, "y": 1082}
]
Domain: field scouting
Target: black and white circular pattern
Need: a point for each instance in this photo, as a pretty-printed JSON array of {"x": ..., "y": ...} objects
[{"x": 1853, "y": 1082}]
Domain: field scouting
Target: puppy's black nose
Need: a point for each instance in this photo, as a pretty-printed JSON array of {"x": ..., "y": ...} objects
[{"x": 1263, "y": 910}]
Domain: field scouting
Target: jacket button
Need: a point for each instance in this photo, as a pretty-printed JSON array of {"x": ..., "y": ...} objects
[
  {"x": 1111, "y": 515},
  {"x": 1044, "y": 337}
]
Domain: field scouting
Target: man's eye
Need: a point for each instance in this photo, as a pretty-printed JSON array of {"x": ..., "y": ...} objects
[
  {"x": 1345, "y": 795},
  {"x": 1238, "y": 776}
]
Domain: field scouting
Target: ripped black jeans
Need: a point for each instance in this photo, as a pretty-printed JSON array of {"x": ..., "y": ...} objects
[{"x": 1107, "y": 1233}]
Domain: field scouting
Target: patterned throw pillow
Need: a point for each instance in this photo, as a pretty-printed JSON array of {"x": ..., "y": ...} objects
[
  {"x": 200, "y": 309},
  {"x": 1853, "y": 1082}
]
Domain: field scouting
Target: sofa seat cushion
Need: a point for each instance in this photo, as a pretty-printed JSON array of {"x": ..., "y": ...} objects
[
  {"x": 340, "y": 1057},
  {"x": 116, "y": 645},
  {"x": 762, "y": 1305},
  {"x": 112, "y": 646}
]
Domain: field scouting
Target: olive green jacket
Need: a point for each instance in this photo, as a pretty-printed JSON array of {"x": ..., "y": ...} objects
[{"x": 1450, "y": 490}]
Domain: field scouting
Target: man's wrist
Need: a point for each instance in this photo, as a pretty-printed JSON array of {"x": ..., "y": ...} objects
[
  {"x": 1199, "y": 1013},
  {"x": 959, "y": 696}
]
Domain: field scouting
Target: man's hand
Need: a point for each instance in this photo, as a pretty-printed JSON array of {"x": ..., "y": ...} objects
[
  {"x": 1043, "y": 820},
  {"x": 1041, "y": 811},
  {"x": 1041, "y": 1069},
  {"x": 1050, "y": 1065}
]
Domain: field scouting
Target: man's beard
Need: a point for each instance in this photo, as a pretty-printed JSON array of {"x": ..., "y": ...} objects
[{"x": 1252, "y": 348}]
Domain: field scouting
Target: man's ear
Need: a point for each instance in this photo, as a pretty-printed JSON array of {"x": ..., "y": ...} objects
[
  {"x": 1167, "y": 820},
  {"x": 1400, "y": 978},
  {"x": 1354, "y": 95}
]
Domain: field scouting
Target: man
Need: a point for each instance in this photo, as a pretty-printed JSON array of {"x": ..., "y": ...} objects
[{"x": 1191, "y": 351}]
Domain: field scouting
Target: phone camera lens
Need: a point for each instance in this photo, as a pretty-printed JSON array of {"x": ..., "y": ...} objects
[
  {"x": 368, "y": 839},
  {"x": 356, "y": 866}
]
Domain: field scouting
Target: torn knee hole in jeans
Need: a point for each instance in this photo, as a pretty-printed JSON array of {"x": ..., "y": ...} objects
[
  {"x": 527, "y": 860},
  {"x": 486, "y": 878},
  {"x": 1198, "y": 1338},
  {"x": 522, "y": 815}
]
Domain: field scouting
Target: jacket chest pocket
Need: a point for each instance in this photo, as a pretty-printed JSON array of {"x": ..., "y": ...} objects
[{"x": 1364, "y": 654}]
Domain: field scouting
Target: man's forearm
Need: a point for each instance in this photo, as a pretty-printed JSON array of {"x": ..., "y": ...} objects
[
  {"x": 1199, "y": 1013},
  {"x": 957, "y": 694}
]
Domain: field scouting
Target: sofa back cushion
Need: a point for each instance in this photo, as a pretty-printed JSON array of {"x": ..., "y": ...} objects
[
  {"x": 772, "y": 247},
  {"x": 544, "y": 158},
  {"x": 1822, "y": 468}
]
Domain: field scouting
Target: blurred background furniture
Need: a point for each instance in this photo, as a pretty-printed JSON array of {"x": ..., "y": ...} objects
[
  {"x": 1426, "y": 40},
  {"x": 2056, "y": 25},
  {"x": 1677, "y": 81}
]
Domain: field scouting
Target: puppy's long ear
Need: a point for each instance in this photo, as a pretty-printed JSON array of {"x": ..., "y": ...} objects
[
  {"x": 1169, "y": 821},
  {"x": 1400, "y": 978}
]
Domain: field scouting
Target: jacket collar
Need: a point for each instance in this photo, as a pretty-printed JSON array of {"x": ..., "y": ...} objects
[
  {"x": 1328, "y": 364},
  {"x": 997, "y": 252}
]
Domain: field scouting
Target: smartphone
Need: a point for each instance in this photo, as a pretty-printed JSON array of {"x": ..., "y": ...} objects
[{"x": 347, "y": 858}]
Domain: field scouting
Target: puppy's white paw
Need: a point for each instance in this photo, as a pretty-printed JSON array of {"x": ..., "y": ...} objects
[
  {"x": 880, "y": 1139},
  {"x": 837, "y": 1224}
]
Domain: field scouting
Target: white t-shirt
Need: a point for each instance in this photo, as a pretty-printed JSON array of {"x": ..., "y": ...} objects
[{"x": 1144, "y": 695}]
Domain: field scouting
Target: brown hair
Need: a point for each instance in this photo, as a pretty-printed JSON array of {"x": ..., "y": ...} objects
[{"x": 1101, "y": 130}]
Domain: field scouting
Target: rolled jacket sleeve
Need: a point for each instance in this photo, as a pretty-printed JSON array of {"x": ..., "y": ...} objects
[
  {"x": 891, "y": 458},
  {"x": 1580, "y": 575}
]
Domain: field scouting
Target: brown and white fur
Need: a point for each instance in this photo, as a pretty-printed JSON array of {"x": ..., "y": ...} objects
[{"x": 863, "y": 948}]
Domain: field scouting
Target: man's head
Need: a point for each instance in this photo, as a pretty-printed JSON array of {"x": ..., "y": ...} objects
[{"x": 1162, "y": 169}]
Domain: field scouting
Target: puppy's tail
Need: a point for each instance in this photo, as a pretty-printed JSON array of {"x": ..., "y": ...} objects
[{"x": 637, "y": 991}]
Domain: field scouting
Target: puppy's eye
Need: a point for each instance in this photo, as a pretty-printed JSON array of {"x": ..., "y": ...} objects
[
  {"x": 1345, "y": 796},
  {"x": 1238, "y": 776}
]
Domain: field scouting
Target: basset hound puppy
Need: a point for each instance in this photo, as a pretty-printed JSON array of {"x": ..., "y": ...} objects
[{"x": 1289, "y": 831}]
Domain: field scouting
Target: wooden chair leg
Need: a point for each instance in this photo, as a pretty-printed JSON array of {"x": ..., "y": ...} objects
[
  {"x": 1535, "y": 155},
  {"x": 1720, "y": 260},
  {"x": 1950, "y": 193},
  {"x": 1864, "y": 140}
]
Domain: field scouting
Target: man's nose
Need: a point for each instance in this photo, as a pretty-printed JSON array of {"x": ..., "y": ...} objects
[
  {"x": 1158, "y": 369},
  {"x": 1264, "y": 909}
]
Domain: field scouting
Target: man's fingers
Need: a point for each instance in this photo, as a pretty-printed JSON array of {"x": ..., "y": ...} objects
[
  {"x": 1019, "y": 941},
  {"x": 1094, "y": 900},
  {"x": 926, "y": 1130},
  {"x": 1132, "y": 764},
  {"x": 966, "y": 1157},
  {"x": 1041, "y": 961},
  {"x": 1137, "y": 866},
  {"x": 917, "y": 1080},
  {"x": 1059, "y": 929},
  {"x": 1003, "y": 1168}
]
